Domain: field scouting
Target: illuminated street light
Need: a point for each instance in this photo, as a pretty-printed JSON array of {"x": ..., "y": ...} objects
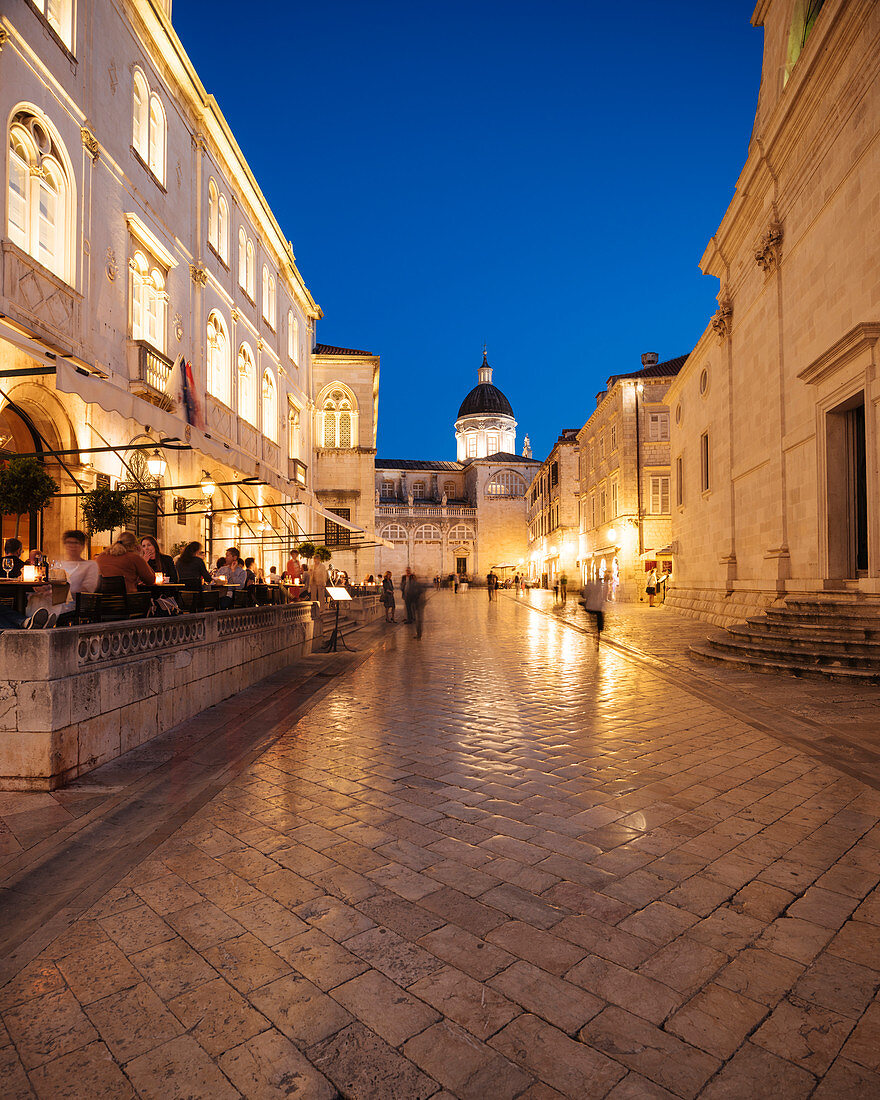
[
  {"x": 208, "y": 486},
  {"x": 157, "y": 465}
]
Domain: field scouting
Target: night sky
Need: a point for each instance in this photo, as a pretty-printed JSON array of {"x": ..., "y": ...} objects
[{"x": 543, "y": 177}]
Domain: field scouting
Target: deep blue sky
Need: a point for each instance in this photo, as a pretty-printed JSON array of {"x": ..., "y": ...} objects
[{"x": 540, "y": 176}]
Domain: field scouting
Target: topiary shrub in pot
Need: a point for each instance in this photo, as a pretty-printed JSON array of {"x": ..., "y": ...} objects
[
  {"x": 25, "y": 487},
  {"x": 106, "y": 509}
]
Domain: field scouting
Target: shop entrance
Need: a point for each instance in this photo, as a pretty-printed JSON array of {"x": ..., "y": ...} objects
[{"x": 847, "y": 489}]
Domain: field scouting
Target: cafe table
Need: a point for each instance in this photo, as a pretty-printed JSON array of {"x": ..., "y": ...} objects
[{"x": 19, "y": 590}]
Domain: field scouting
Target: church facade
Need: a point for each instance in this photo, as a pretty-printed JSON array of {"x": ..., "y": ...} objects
[{"x": 465, "y": 516}]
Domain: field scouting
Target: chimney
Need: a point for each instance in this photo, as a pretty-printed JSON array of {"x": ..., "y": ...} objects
[{"x": 650, "y": 359}]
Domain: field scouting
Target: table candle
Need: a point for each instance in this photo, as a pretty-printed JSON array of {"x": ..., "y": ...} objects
[{"x": 30, "y": 573}]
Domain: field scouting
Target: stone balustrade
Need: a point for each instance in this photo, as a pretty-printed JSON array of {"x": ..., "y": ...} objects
[
  {"x": 425, "y": 510},
  {"x": 73, "y": 699}
]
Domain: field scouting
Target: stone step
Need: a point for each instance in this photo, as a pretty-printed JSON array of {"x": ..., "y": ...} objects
[
  {"x": 819, "y": 672},
  {"x": 764, "y": 649},
  {"x": 821, "y": 632},
  {"x": 812, "y": 640}
]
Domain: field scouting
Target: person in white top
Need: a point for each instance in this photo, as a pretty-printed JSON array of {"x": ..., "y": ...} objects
[
  {"x": 83, "y": 575},
  {"x": 318, "y": 576}
]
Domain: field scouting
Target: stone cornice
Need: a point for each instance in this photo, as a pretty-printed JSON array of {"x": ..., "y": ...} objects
[{"x": 849, "y": 347}]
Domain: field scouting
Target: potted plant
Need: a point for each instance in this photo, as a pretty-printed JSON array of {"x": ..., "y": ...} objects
[
  {"x": 25, "y": 487},
  {"x": 322, "y": 553},
  {"x": 105, "y": 509},
  {"x": 306, "y": 550}
]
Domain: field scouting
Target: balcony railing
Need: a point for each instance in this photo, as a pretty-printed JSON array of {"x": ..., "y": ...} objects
[
  {"x": 153, "y": 372},
  {"x": 425, "y": 510}
]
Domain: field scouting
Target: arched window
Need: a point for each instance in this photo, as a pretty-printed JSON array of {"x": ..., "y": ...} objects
[
  {"x": 247, "y": 385},
  {"x": 218, "y": 358},
  {"x": 338, "y": 420},
  {"x": 223, "y": 229},
  {"x": 394, "y": 533},
  {"x": 506, "y": 483},
  {"x": 156, "y": 159},
  {"x": 39, "y": 195},
  {"x": 271, "y": 317},
  {"x": 428, "y": 532},
  {"x": 270, "y": 407},
  {"x": 293, "y": 433},
  {"x": 141, "y": 131},
  {"x": 265, "y": 292},
  {"x": 250, "y": 286},
  {"x": 242, "y": 259},
  {"x": 148, "y": 127},
  {"x": 149, "y": 301},
  {"x": 461, "y": 533},
  {"x": 213, "y": 214},
  {"x": 292, "y": 338}
]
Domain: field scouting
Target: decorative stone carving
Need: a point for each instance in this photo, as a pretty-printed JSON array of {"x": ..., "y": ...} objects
[
  {"x": 112, "y": 268},
  {"x": 767, "y": 253},
  {"x": 4, "y": 37},
  {"x": 199, "y": 274},
  {"x": 236, "y": 316},
  {"x": 722, "y": 322},
  {"x": 38, "y": 296},
  {"x": 109, "y": 643},
  {"x": 178, "y": 327},
  {"x": 91, "y": 143},
  {"x": 238, "y": 622},
  {"x": 113, "y": 77}
]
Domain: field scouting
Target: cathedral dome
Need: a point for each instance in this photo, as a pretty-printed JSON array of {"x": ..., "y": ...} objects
[{"x": 485, "y": 399}]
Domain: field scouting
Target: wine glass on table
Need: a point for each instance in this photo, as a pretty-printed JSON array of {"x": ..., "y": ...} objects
[{"x": 8, "y": 563}]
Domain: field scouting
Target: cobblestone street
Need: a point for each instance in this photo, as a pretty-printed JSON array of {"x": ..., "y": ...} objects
[{"x": 493, "y": 863}]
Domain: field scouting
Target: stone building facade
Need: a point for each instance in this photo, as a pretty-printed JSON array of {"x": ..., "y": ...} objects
[
  {"x": 775, "y": 423},
  {"x": 346, "y": 383},
  {"x": 466, "y": 516},
  {"x": 552, "y": 514},
  {"x": 624, "y": 479},
  {"x": 148, "y": 293}
]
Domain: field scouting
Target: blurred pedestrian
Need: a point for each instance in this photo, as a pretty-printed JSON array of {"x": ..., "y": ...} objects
[
  {"x": 404, "y": 590},
  {"x": 388, "y": 597},
  {"x": 416, "y": 597},
  {"x": 593, "y": 597},
  {"x": 491, "y": 583},
  {"x": 563, "y": 587},
  {"x": 651, "y": 588}
]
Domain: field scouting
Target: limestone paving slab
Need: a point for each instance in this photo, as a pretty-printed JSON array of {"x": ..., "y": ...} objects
[{"x": 489, "y": 863}]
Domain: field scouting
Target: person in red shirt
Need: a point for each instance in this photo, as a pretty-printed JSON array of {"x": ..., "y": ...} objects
[{"x": 124, "y": 559}]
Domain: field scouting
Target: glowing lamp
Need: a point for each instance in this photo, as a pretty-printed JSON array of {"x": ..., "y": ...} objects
[
  {"x": 612, "y": 533},
  {"x": 156, "y": 464},
  {"x": 208, "y": 486},
  {"x": 30, "y": 574}
]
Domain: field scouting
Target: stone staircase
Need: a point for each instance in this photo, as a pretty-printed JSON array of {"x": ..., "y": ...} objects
[{"x": 833, "y": 637}]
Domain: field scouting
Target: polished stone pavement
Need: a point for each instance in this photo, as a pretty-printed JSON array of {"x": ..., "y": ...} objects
[{"x": 491, "y": 863}]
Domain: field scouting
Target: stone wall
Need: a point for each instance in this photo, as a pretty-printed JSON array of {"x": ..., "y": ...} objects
[{"x": 75, "y": 698}]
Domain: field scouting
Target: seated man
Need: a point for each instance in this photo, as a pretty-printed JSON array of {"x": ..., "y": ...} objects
[
  {"x": 82, "y": 576},
  {"x": 233, "y": 572}
]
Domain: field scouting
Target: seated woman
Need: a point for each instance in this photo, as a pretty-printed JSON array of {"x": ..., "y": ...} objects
[
  {"x": 157, "y": 561},
  {"x": 124, "y": 560},
  {"x": 191, "y": 568}
]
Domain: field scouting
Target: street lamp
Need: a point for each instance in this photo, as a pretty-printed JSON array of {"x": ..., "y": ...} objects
[
  {"x": 208, "y": 486},
  {"x": 156, "y": 464}
]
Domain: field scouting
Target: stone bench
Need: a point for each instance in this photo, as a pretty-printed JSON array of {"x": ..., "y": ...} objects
[{"x": 72, "y": 699}]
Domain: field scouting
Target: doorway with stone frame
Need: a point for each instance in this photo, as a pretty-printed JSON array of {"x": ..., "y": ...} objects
[{"x": 847, "y": 489}]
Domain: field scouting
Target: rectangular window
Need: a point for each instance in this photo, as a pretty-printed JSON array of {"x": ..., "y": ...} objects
[
  {"x": 492, "y": 443},
  {"x": 418, "y": 490},
  {"x": 704, "y": 461},
  {"x": 334, "y": 534},
  {"x": 590, "y": 456},
  {"x": 614, "y": 512},
  {"x": 602, "y": 504},
  {"x": 592, "y": 510},
  {"x": 613, "y": 434},
  {"x": 554, "y": 473},
  {"x": 387, "y": 488},
  {"x": 601, "y": 446},
  {"x": 472, "y": 446},
  {"x": 659, "y": 496},
  {"x": 679, "y": 485},
  {"x": 658, "y": 427}
]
